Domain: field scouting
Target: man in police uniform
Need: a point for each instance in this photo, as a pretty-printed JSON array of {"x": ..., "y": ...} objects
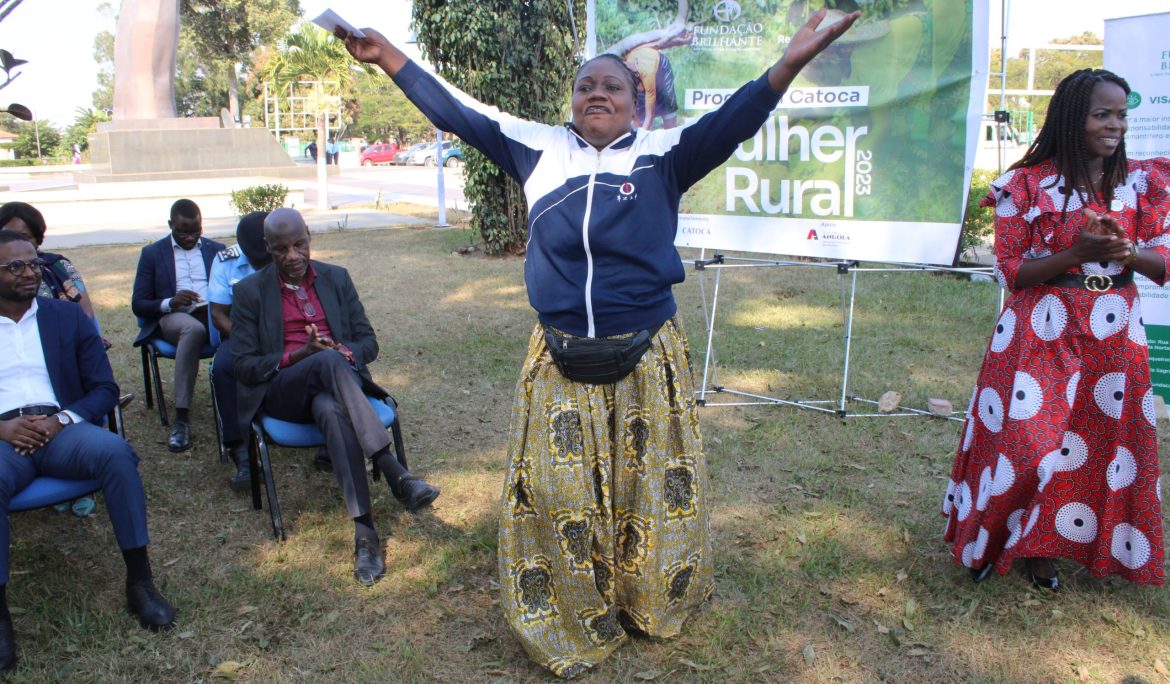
[{"x": 231, "y": 266}]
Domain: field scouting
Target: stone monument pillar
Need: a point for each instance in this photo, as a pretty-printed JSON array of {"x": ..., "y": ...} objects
[
  {"x": 146, "y": 140},
  {"x": 144, "y": 59}
]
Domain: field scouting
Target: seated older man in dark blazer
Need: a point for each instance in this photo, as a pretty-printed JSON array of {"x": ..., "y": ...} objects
[
  {"x": 55, "y": 386},
  {"x": 302, "y": 346},
  {"x": 170, "y": 296}
]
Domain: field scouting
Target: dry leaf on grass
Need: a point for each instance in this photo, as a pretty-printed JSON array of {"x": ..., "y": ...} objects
[
  {"x": 842, "y": 622},
  {"x": 1160, "y": 667},
  {"x": 695, "y": 666},
  {"x": 809, "y": 653},
  {"x": 647, "y": 675},
  {"x": 228, "y": 669}
]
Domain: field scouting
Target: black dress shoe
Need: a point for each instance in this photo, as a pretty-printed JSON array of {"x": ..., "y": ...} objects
[
  {"x": 1051, "y": 583},
  {"x": 180, "y": 439},
  {"x": 152, "y": 610},
  {"x": 980, "y": 574},
  {"x": 242, "y": 480},
  {"x": 125, "y": 399},
  {"x": 7, "y": 646},
  {"x": 368, "y": 566},
  {"x": 415, "y": 494}
]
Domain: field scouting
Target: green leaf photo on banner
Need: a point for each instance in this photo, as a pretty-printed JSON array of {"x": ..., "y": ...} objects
[{"x": 868, "y": 155}]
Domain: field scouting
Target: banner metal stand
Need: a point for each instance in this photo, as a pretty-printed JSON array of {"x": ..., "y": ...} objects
[{"x": 847, "y": 271}]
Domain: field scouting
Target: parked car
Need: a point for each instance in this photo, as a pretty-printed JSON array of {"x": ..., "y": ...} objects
[
  {"x": 382, "y": 153},
  {"x": 403, "y": 157},
  {"x": 452, "y": 155}
]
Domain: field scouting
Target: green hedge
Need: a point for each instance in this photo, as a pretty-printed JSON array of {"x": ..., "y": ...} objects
[
  {"x": 978, "y": 222},
  {"x": 258, "y": 198}
]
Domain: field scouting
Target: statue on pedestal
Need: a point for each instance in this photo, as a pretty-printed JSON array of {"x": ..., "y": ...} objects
[{"x": 145, "y": 48}]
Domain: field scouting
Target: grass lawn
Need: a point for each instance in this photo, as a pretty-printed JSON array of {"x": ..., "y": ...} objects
[{"x": 830, "y": 564}]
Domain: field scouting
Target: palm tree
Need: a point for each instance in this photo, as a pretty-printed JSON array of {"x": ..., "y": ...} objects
[{"x": 311, "y": 54}]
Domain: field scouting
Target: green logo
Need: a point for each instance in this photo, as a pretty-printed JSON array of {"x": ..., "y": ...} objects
[{"x": 1134, "y": 100}]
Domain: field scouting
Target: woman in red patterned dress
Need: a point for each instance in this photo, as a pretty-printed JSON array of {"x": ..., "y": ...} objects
[{"x": 1058, "y": 457}]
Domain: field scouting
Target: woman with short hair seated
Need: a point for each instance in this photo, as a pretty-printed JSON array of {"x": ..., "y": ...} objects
[{"x": 60, "y": 279}]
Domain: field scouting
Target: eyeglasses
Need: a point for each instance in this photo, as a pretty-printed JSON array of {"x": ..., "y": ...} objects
[
  {"x": 307, "y": 307},
  {"x": 17, "y": 267}
]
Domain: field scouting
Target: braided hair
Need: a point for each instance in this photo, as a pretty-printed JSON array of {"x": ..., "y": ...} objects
[{"x": 1062, "y": 138}]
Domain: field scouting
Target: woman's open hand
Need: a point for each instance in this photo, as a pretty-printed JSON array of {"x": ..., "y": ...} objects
[
  {"x": 374, "y": 48},
  {"x": 810, "y": 42},
  {"x": 806, "y": 44}
]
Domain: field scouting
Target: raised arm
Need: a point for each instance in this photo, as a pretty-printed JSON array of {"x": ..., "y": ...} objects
[
  {"x": 374, "y": 49},
  {"x": 512, "y": 143},
  {"x": 804, "y": 46}
]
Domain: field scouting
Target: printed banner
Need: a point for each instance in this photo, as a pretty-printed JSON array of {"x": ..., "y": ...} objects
[
  {"x": 1136, "y": 49},
  {"x": 869, "y": 154}
]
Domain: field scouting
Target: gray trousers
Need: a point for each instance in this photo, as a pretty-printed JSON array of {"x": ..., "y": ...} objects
[
  {"x": 326, "y": 390},
  {"x": 188, "y": 333}
]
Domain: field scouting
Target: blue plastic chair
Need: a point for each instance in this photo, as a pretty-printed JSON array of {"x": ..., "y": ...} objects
[
  {"x": 50, "y": 491},
  {"x": 152, "y": 349},
  {"x": 268, "y": 430}
]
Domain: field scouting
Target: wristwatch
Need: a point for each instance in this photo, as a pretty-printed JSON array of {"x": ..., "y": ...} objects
[{"x": 63, "y": 418}]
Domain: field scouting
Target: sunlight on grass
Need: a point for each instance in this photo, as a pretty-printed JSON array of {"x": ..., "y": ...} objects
[
  {"x": 492, "y": 291},
  {"x": 758, "y": 314}
]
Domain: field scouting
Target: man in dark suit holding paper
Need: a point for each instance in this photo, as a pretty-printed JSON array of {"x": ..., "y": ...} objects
[{"x": 170, "y": 299}]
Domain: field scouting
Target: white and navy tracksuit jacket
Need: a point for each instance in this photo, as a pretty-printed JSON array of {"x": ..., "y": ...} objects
[{"x": 601, "y": 224}]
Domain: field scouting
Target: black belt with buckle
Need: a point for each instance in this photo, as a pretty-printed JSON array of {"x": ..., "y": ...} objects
[
  {"x": 1094, "y": 282},
  {"x": 30, "y": 410}
]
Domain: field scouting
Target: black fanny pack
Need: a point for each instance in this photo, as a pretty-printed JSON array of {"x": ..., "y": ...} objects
[{"x": 595, "y": 361}]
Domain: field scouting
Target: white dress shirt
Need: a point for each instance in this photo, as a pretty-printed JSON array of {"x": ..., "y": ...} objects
[
  {"x": 24, "y": 377},
  {"x": 190, "y": 274}
]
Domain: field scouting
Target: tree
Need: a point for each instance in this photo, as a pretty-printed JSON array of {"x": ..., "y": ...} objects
[
  {"x": 1051, "y": 66},
  {"x": 103, "y": 54},
  {"x": 310, "y": 54},
  {"x": 84, "y": 124},
  {"x": 226, "y": 33},
  {"x": 518, "y": 56},
  {"x": 381, "y": 111}
]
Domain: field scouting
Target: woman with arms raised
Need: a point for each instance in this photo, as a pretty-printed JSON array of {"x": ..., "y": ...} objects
[{"x": 605, "y": 521}]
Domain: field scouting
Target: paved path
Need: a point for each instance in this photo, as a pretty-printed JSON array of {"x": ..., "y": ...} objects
[{"x": 132, "y": 212}]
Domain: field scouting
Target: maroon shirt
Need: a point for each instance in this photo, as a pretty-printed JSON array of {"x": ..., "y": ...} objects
[{"x": 292, "y": 311}]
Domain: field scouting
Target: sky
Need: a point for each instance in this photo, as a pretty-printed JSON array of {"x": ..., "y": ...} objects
[{"x": 56, "y": 37}]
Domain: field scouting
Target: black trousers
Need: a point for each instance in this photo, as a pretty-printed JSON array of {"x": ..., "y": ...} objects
[{"x": 324, "y": 389}]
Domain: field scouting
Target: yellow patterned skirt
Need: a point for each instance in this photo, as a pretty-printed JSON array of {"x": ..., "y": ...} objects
[{"x": 604, "y": 524}]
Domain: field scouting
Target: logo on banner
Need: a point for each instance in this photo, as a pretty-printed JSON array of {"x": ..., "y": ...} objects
[
  {"x": 812, "y": 234},
  {"x": 726, "y": 10},
  {"x": 1133, "y": 100},
  {"x": 728, "y": 32}
]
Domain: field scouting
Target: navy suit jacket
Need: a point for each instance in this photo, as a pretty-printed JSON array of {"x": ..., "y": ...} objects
[
  {"x": 76, "y": 359},
  {"x": 155, "y": 281}
]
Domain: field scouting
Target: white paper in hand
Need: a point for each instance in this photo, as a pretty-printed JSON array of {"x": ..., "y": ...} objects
[{"x": 330, "y": 20}]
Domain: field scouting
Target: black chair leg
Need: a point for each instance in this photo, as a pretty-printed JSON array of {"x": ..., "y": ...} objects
[
  {"x": 147, "y": 389},
  {"x": 254, "y": 447},
  {"x": 223, "y": 452},
  {"x": 158, "y": 389},
  {"x": 270, "y": 486},
  {"x": 399, "y": 449}
]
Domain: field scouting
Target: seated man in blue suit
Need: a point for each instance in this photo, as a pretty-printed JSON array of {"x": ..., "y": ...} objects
[
  {"x": 170, "y": 296},
  {"x": 302, "y": 345},
  {"x": 55, "y": 386}
]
